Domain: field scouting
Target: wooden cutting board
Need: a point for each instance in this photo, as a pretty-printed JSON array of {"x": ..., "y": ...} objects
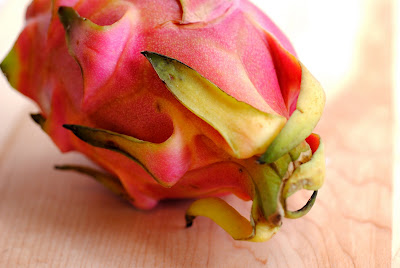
[{"x": 55, "y": 219}]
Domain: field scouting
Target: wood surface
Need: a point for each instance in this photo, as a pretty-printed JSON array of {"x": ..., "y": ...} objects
[
  {"x": 50, "y": 218},
  {"x": 396, "y": 140}
]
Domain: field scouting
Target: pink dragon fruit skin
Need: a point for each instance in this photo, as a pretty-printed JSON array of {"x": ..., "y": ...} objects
[{"x": 96, "y": 69}]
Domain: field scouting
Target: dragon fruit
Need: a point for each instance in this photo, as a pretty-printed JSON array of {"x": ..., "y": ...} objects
[{"x": 176, "y": 99}]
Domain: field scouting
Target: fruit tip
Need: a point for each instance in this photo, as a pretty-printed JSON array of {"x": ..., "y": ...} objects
[
  {"x": 6, "y": 63},
  {"x": 2, "y": 66},
  {"x": 148, "y": 54},
  {"x": 189, "y": 220},
  {"x": 267, "y": 158},
  {"x": 59, "y": 167},
  {"x": 260, "y": 161},
  {"x": 67, "y": 16},
  {"x": 61, "y": 9},
  {"x": 69, "y": 127},
  {"x": 63, "y": 167},
  {"x": 39, "y": 119}
]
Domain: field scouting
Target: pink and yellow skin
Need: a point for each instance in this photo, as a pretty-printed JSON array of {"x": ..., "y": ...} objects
[{"x": 110, "y": 76}]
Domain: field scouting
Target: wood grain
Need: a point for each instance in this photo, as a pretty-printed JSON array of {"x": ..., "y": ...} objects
[
  {"x": 60, "y": 219},
  {"x": 396, "y": 166}
]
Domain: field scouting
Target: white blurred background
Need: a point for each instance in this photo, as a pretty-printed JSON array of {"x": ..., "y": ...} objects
[{"x": 324, "y": 33}]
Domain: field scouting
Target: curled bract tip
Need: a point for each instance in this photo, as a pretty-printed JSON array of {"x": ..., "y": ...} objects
[
  {"x": 304, "y": 210},
  {"x": 269, "y": 200}
]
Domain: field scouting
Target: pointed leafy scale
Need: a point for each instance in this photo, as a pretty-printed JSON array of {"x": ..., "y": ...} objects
[
  {"x": 87, "y": 42},
  {"x": 107, "y": 180},
  {"x": 247, "y": 130},
  {"x": 309, "y": 108},
  {"x": 154, "y": 158}
]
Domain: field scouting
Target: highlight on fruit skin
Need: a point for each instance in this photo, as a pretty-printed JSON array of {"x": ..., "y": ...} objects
[{"x": 176, "y": 99}]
